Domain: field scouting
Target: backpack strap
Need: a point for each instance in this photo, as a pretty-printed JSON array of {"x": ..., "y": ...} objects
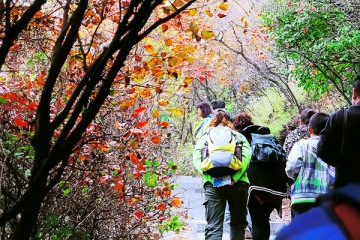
[{"x": 344, "y": 211}]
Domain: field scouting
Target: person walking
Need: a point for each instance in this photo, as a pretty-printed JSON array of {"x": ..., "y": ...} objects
[
  {"x": 205, "y": 114},
  {"x": 312, "y": 177},
  {"x": 268, "y": 181},
  {"x": 337, "y": 215},
  {"x": 301, "y": 132},
  {"x": 338, "y": 145},
  {"x": 233, "y": 188}
]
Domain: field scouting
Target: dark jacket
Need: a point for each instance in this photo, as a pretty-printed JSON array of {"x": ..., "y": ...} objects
[
  {"x": 347, "y": 163},
  {"x": 263, "y": 177}
]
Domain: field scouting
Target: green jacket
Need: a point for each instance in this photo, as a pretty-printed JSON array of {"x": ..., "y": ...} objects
[{"x": 246, "y": 156}]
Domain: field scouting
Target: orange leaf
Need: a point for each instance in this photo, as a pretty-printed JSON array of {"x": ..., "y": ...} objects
[
  {"x": 155, "y": 139},
  {"x": 149, "y": 48},
  {"x": 176, "y": 202},
  {"x": 138, "y": 214},
  {"x": 141, "y": 124},
  {"x": 155, "y": 113},
  {"x": 168, "y": 42},
  {"x": 161, "y": 207},
  {"x": 163, "y": 103}
]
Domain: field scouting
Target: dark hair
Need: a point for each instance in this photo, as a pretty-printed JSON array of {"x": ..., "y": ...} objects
[
  {"x": 242, "y": 120},
  {"x": 306, "y": 114},
  {"x": 318, "y": 121},
  {"x": 217, "y": 104},
  {"x": 356, "y": 86},
  {"x": 205, "y": 109},
  {"x": 222, "y": 119}
]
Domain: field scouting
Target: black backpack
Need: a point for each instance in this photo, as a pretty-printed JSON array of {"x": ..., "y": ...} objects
[{"x": 265, "y": 147}]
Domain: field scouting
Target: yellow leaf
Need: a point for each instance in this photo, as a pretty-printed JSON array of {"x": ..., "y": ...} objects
[
  {"x": 189, "y": 49},
  {"x": 172, "y": 61},
  {"x": 194, "y": 27},
  {"x": 192, "y": 12},
  {"x": 168, "y": 42},
  {"x": 188, "y": 80},
  {"x": 246, "y": 24},
  {"x": 175, "y": 111},
  {"x": 207, "y": 34},
  {"x": 208, "y": 13},
  {"x": 223, "y": 6},
  {"x": 190, "y": 59}
]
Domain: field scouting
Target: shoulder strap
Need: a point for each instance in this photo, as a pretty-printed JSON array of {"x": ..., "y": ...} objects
[{"x": 343, "y": 132}]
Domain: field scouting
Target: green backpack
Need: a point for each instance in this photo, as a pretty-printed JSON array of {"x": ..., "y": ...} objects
[{"x": 222, "y": 153}]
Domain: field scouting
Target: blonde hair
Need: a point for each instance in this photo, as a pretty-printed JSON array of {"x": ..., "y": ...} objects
[{"x": 220, "y": 119}]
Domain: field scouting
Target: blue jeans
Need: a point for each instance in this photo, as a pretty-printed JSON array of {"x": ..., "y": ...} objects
[{"x": 215, "y": 203}]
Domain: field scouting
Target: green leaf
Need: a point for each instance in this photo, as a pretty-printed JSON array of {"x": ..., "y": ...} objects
[
  {"x": 150, "y": 180},
  {"x": 66, "y": 191}
]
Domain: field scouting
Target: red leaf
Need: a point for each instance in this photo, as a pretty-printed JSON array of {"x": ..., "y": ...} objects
[
  {"x": 164, "y": 27},
  {"x": 103, "y": 179},
  {"x": 138, "y": 111},
  {"x": 141, "y": 124},
  {"x": 118, "y": 186},
  {"x": 138, "y": 214},
  {"x": 164, "y": 124},
  {"x": 134, "y": 158},
  {"x": 140, "y": 167},
  {"x": 32, "y": 106},
  {"x": 161, "y": 207},
  {"x": 137, "y": 175},
  {"x": 20, "y": 122},
  {"x": 138, "y": 58},
  {"x": 220, "y": 15}
]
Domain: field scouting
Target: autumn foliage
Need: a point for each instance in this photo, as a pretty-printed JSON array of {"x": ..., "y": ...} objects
[{"x": 85, "y": 105}]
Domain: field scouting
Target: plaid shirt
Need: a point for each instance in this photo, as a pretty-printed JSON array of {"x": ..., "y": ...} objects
[{"x": 312, "y": 176}]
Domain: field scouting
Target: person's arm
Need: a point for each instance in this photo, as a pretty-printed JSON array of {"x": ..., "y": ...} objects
[
  {"x": 329, "y": 146},
  {"x": 197, "y": 154},
  {"x": 294, "y": 161},
  {"x": 246, "y": 156}
]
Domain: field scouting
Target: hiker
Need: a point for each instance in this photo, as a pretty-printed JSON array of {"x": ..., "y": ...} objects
[
  {"x": 268, "y": 181},
  {"x": 205, "y": 113},
  {"x": 301, "y": 132},
  {"x": 338, "y": 145},
  {"x": 222, "y": 141},
  {"x": 310, "y": 174},
  {"x": 337, "y": 215},
  {"x": 219, "y": 105}
]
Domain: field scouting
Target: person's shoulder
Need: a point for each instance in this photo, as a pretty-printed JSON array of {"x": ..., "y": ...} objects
[{"x": 314, "y": 224}]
